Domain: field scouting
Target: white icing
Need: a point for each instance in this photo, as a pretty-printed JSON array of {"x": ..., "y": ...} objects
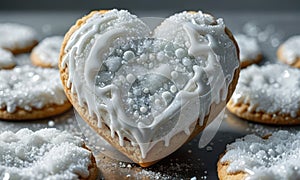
[
  {"x": 6, "y": 59},
  {"x": 275, "y": 158},
  {"x": 16, "y": 36},
  {"x": 44, "y": 154},
  {"x": 291, "y": 49},
  {"x": 48, "y": 50},
  {"x": 150, "y": 86},
  {"x": 249, "y": 48},
  {"x": 29, "y": 87},
  {"x": 272, "y": 88}
]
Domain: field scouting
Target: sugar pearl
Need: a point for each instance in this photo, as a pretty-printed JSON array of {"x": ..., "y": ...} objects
[
  {"x": 173, "y": 89},
  {"x": 143, "y": 109},
  {"x": 130, "y": 78},
  {"x": 128, "y": 55},
  {"x": 180, "y": 53}
]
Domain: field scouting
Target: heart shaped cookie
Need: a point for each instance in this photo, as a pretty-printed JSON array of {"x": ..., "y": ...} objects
[{"x": 145, "y": 92}]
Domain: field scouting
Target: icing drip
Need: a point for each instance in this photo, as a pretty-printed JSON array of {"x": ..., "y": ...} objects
[
  {"x": 151, "y": 88},
  {"x": 291, "y": 49},
  {"x": 29, "y": 87},
  {"x": 44, "y": 154},
  {"x": 16, "y": 36},
  {"x": 48, "y": 50},
  {"x": 249, "y": 48},
  {"x": 6, "y": 59},
  {"x": 277, "y": 157},
  {"x": 204, "y": 37},
  {"x": 266, "y": 91}
]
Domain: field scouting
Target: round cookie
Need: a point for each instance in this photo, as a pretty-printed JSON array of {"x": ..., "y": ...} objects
[
  {"x": 250, "y": 52},
  {"x": 268, "y": 94},
  {"x": 17, "y": 38},
  {"x": 7, "y": 60},
  {"x": 251, "y": 157},
  {"x": 45, "y": 154},
  {"x": 46, "y": 53},
  {"x": 31, "y": 93},
  {"x": 288, "y": 52},
  {"x": 141, "y": 92}
]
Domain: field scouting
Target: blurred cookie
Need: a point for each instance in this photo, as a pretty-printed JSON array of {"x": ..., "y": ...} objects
[
  {"x": 45, "y": 154},
  {"x": 250, "y": 52},
  {"x": 268, "y": 94},
  {"x": 289, "y": 51},
  {"x": 46, "y": 53},
  {"x": 17, "y": 38},
  {"x": 31, "y": 93},
  {"x": 253, "y": 157},
  {"x": 7, "y": 60}
]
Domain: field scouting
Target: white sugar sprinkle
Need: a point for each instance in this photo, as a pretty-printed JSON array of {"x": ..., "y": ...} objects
[
  {"x": 276, "y": 157},
  {"x": 267, "y": 91},
  {"x": 46, "y": 153}
]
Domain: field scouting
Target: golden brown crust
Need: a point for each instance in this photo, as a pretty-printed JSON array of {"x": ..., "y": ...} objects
[
  {"x": 284, "y": 60},
  {"x": 9, "y": 66},
  {"x": 236, "y": 75},
  {"x": 242, "y": 110},
  {"x": 27, "y": 49},
  {"x": 248, "y": 62},
  {"x": 224, "y": 175},
  {"x": 133, "y": 152},
  {"x": 48, "y": 111}
]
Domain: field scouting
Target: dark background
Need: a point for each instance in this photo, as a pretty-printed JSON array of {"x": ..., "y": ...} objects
[{"x": 150, "y": 5}]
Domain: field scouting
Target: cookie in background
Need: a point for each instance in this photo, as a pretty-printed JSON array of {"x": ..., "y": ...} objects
[
  {"x": 46, "y": 53},
  {"x": 268, "y": 94},
  {"x": 289, "y": 51},
  {"x": 29, "y": 92},
  {"x": 250, "y": 52},
  {"x": 17, "y": 38}
]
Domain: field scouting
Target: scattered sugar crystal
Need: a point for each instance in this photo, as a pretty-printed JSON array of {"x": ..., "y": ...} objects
[
  {"x": 51, "y": 123},
  {"x": 209, "y": 148}
]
